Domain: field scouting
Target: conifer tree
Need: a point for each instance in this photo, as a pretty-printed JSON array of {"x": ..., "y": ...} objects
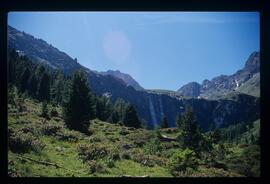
[
  {"x": 57, "y": 87},
  {"x": 23, "y": 83},
  {"x": 33, "y": 85},
  {"x": 114, "y": 117},
  {"x": 120, "y": 106},
  {"x": 44, "y": 110},
  {"x": 79, "y": 108},
  {"x": 104, "y": 108},
  {"x": 191, "y": 135},
  {"x": 44, "y": 87},
  {"x": 215, "y": 135},
  {"x": 131, "y": 118}
]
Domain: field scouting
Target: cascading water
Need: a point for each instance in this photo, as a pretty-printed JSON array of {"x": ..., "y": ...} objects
[
  {"x": 160, "y": 107},
  {"x": 152, "y": 111}
]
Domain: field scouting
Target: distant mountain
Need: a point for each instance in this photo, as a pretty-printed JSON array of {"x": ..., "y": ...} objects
[
  {"x": 125, "y": 77},
  {"x": 39, "y": 50},
  {"x": 219, "y": 86},
  {"x": 151, "y": 105},
  {"x": 191, "y": 89},
  {"x": 252, "y": 86}
]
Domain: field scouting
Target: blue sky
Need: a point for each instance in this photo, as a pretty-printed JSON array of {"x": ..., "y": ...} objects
[{"x": 160, "y": 50}]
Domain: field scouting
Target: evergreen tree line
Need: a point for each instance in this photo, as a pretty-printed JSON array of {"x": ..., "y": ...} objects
[
  {"x": 80, "y": 104},
  {"x": 241, "y": 133}
]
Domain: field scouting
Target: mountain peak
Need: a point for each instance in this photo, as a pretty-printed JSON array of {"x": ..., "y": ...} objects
[
  {"x": 191, "y": 89},
  {"x": 223, "y": 84},
  {"x": 253, "y": 61},
  {"x": 125, "y": 77}
]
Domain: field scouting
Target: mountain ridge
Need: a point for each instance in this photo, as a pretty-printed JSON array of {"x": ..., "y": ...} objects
[
  {"x": 150, "y": 105},
  {"x": 125, "y": 77},
  {"x": 221, "y": 85}
]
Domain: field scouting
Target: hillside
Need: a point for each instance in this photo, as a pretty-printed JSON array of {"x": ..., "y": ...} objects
[
  {"x": 39, "y": 147},
  {"x": 151, "y": 105}
]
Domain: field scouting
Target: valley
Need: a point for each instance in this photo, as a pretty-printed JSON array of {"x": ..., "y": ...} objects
[{"x": 66, "y": 120}]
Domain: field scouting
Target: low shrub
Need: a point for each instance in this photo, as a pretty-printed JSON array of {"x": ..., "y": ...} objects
[
  {"x": 125, "y": 155},
  {"x": 20, "y": 142},
  {"x": 22, "y": 122},
  {"x": 50, "y": 129},
  {"x": 96, "y": 166},
  {"x": 110, "y": 163},
  {"x": 72, "y": 136},
  {"x": 94, "y": 139},
  {"x": 124, "y": 132},
  {"x": 92, "y": 151},
  {"x": 183, "y": 161},
  {"x": 153, "y": 146},
  {"x": 54, "y": 112},
  {"x": 246, "y": 163},
  {"x": 138, "y": 139},
  {"x": 113, "y": 154},
  {"x": 146, "y": 160},
  {"x": 57, "y": 119}
]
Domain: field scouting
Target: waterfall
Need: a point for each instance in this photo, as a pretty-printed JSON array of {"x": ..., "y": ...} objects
[
  {"x": 152, "y": 112},
  {"x": 161, "y": 107}
]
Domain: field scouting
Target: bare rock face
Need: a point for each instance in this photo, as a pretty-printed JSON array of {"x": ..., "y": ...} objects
[
  {"x": 224, "y": 84},
  {"x": 125, "y": 77},
  {"x": 191, "y": 89}
]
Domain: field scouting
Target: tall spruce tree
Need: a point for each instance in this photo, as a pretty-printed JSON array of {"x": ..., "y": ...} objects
[
  {"x": 33, "y": 85},
  {"x": 44, "y": 110},
  {"x": 130, "y": 117},
  {"x": 44, "y": 87},
  {"x": 57, "y": 87},
  {"x": 23, "y": 84},
  {"x": 80, "y": 106},
  {"x": 104, "y": 108},
  {"x": 191, "y": 135},
  {"x": 120, "y": 106}
]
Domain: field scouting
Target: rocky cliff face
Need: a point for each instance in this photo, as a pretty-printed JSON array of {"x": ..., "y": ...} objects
[
  {"x": 224, "y": 84},
  {"x": 151, "y": 106},
  {"x": 125, "y": 77},
  {"x": 191, "y": 89}
]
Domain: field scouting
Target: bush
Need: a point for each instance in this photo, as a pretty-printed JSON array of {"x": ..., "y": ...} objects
[
  {"x": 113, "y": 154},
  {"x": 110, "y": 163},
  {"x": 57, "y": 119},
  {"x": 144, "y": 159},
  {"x": 125, "y": 155},
  {"x": 95, "y": 166},
  {"x": 21, "y": 105},
  {"x": 169, "y": 145},
  {"x": 153, "y": 147},
  {"x": 94, "y": 139},
  {"x": 50, "y": 129},
  {"x": 54, "y": 112},
  {"x": 20, "y": 142},
  {"x": 29, "y": 129},
  {"x": 22, "y": 122},
  {"x": 72, "y": 136},
  {"x": 123, "y": 132},
  {"x": 246, "y": 163},
  {"x": 92, "y": 151},
  {"x": 183, "y": 161}
]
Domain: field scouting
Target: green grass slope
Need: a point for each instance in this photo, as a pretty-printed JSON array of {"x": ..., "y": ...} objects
[{"x": 40, "y": 147}]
